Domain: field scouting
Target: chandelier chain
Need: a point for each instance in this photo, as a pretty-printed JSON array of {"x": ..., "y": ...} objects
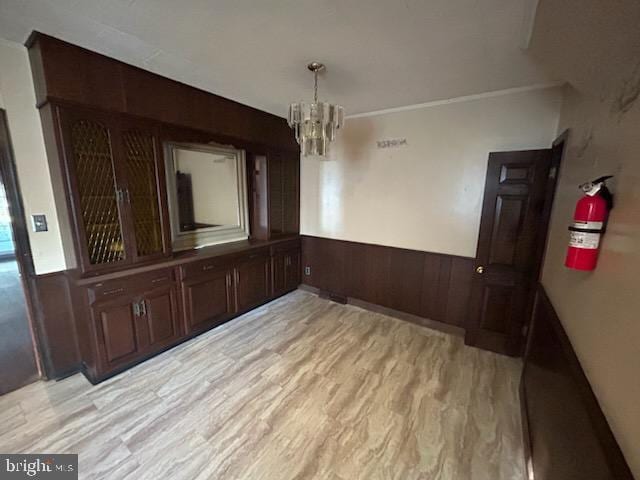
[{"x": 315, "y": 86}]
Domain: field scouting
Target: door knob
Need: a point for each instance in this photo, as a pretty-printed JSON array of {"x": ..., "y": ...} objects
[{"x": 480, "y": 269}]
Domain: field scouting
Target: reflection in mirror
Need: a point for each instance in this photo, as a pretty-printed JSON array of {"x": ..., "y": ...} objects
[
  {"x": 207, "y": 194},
  {"x": 206, "y": 186}
]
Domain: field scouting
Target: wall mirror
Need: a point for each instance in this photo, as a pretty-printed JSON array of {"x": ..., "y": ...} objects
[{"x": 207, "y": 190}]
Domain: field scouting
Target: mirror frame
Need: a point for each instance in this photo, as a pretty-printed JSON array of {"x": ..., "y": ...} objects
[{"x": 204, "y": 237}]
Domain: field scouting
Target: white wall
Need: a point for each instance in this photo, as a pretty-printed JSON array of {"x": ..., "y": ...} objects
[
  {"x": 426, "y": 195},
  {"x": 18, "y": 99}
]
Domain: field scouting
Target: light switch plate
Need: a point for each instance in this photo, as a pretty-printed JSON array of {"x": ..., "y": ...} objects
[
  {"x": 39, "y": 223},
  {"x": 307, "y": 271}
]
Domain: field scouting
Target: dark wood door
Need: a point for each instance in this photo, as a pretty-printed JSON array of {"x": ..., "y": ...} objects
[
  {"x": 252, "y": 281},
  {"x": 208, "y": 300},
  {"x": 119, "y": 334},
  {"x": 292, "y": 270},
  {"x": 506, "y": 260},
  {"x": 159, "y": 310}
]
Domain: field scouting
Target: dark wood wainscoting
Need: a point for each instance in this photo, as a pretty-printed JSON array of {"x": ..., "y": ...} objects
[
  {"x": 54, "y": 321},
  {"x": 427, "y": 285},
  {"x": 565, "y": 429}
]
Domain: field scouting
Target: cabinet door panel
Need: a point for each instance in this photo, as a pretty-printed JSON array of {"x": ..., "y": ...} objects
[
  {"x": 276, "y": 198},
  {"x": 208, "y": 300},
  {"x": 284, "y": 198},
  {"x": 118, "y": 332},
  {"x": 292, "y": 271},
  {"x": 252, "y": 282},
  {"x": 94, "y": 185},
  {"x": 278, "y": 265},
  {"x": 161, "y": 313},
  {"x": 290, "y": 194},
  {"x": 140, "y": 163}
]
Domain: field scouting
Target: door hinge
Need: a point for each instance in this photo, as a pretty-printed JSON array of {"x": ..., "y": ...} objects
[{"x": 553, "y": 171}]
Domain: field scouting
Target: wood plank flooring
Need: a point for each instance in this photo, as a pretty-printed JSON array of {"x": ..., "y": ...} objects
[{"x": 301, "y": 388}]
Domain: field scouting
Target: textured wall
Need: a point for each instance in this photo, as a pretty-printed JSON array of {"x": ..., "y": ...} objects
[
  {"x": 596, "y": 47},
  {"x": 426, "y": 195}
]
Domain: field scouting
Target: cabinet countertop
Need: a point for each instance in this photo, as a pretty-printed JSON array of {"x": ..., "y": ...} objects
[{"x": 180, "y": 258}]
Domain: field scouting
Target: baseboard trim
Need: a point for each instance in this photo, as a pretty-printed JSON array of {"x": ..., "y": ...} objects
[{"x": 372, "y": 307}]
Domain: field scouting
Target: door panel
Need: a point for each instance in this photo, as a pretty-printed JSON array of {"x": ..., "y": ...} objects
[
  {"x": 161, "y": 313},
  {"x": 207, "y": 300},
  {"x": 95, "y": 186},
  {"x": 142, "y": 169},
  {"x": 497, "y": 304},
  {"x": 279, "y": 267},
  {"x": 507, "y": 225},
  {"x": 292, "y": 270},
  {"x": 252, "y": 282},
  {"x": 116, "y": 324},
  {"x": 276, "y": 195},
  {"x": 506, "y": 260}
]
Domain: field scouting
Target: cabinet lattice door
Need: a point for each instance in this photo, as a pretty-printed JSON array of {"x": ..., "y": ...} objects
[
  {"x": 140, "y": 166},
  {"x": 97, "y": 191}
]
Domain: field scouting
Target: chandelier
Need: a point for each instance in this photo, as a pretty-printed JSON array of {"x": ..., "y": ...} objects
[{"x": 315, "y": 123}]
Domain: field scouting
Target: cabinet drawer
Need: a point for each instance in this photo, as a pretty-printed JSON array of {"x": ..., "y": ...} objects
[
  {"x": 284, "y": 246},
  {"x": 204, "y": 267},
  {"x": 253, "y": 255},
  {"x": 130, "y": 284}
]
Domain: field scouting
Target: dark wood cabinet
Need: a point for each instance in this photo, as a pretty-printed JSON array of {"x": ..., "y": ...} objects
[
  {"x": 252, "y": 285},
  {"x": 292, "y": 271},
  {"x": 159, "y": 317},
  {"x": 284, "y": 191},
  {"x": 115, "y": 180},
  {"x": 130, "y": 326},
  {"x": 208, "y": 299},
  {"x": 118, "y": 333},
  {"x": 285, "y": 267},
  {"x": 126, "y": 318}
]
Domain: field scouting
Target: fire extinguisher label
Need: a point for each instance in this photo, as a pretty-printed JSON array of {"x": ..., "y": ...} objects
[
  {"x": 584, "y": 240},
  {"x": 588, "y": 225}
]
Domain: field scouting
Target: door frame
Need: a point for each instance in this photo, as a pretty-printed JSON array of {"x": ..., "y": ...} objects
[
  {"x": 556, "y": 154},
  {"x": 23, "y": 256},
  {"x": 542, "y": 242}
]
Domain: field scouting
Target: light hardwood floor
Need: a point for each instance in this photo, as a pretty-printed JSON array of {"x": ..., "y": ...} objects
[{"x": 301, "y": 388}]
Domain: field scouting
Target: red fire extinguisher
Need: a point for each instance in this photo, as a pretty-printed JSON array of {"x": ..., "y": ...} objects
[{"x": 588, "y": 225}]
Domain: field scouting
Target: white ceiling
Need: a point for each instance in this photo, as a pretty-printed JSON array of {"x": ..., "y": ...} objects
[{"x": 379, "y": 53}]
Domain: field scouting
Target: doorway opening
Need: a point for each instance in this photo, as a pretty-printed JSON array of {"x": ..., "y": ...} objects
[{"x": 19, "y": 364}]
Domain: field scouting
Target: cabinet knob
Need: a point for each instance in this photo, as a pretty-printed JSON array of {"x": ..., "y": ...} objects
[{"x": 480, "y": 269}]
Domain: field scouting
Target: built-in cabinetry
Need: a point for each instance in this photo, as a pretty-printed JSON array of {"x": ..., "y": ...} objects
[
  {"x": 115, "y": 178},
  {"x": 124, "y": 318},
  {"x": 106, "y": 125},
  {"x": 274, "y": 183},
  {"x": 286, "y": 268},
  {"x": 284, "y": 181}
]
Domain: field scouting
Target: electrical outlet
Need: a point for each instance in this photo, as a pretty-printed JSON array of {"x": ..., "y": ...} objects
[{"x": 307, "y": 270}]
